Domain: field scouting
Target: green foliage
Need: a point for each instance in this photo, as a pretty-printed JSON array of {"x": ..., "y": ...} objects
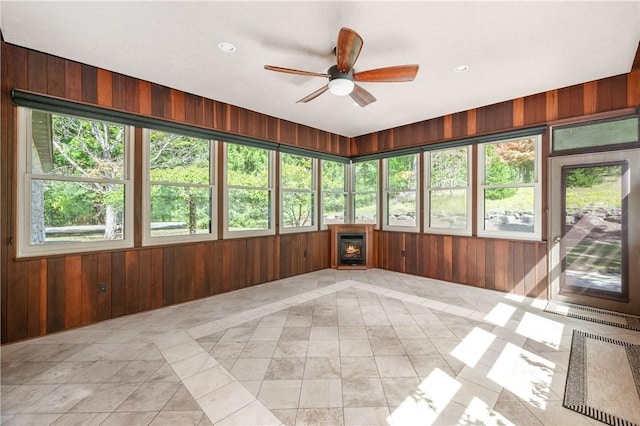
[
  {"x": 586, "y": 177},
  {"x": 498, "y": 172},
  {"x": 366, "y": 176},
  {"x": 402, "y": 172}
]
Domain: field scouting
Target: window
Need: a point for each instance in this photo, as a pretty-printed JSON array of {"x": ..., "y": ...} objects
[
  {"x": 401, "y": 192},
  {"x": 248, "y": 196},
  {"x": 509, "y": 189},
  {"x": 75, "y": 192},
  {"x": 179, "y": 187},
  {"x": 297, "y": 192},
  {"x": 365, "y": 192},
  {"x": 593, "y": 136},
  {"x": 447, "y": 191},
  {"x": 334, "y": 193}
]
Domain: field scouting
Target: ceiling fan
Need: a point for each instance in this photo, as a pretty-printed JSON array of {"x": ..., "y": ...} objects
[{"x": 342, "y": 76}]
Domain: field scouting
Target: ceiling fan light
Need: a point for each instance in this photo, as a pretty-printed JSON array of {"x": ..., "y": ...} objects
[{"x": 341, "y": 86}]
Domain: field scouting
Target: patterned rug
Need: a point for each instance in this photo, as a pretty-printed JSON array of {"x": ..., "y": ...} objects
[
  {"x": 603, "y": 380},
  {"x": 593, "y": 314}
]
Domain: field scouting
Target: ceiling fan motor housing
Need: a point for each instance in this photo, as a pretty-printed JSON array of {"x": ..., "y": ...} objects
[{"x": 340, "y": 84}]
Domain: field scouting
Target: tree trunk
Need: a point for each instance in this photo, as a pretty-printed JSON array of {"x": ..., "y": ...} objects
[
  {"x": 192, "y": 215},
  {"x": 111, "y": 223}
]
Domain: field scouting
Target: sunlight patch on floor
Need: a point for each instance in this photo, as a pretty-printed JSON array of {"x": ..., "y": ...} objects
[
  {"x": 540, "y": 329},
  {"x": 473, "y": 346},
  {"x": 427, "y": 402},
  {"x": 525, "y": 374},
  {"x": 479, "y": 413},
  {"x": 500, "y": 314}
]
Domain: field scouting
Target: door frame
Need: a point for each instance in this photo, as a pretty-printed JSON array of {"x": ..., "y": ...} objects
[{"x": 557, "y": 218}]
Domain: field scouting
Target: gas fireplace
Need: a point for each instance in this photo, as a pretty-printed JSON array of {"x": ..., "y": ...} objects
[{"x": 352, "y": 249}]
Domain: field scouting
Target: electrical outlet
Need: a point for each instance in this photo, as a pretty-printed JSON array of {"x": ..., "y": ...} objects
[
  {"x": 403, "y": 253},
  {"x": 102, "y": 288},
  {"x": 304, "y": 254}
]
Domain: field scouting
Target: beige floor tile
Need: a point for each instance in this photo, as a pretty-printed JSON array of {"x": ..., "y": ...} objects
[
  {"x": 395, "y": 366},
  {"x": 62, "y": 399},
  {"x": 137, "y": 371},
  {"x": 370, "y": 416},
  {"x": 319, "y": 416},
  {"x": 352, "y": 333},
  {"x": 227, "y": 349},
  {"x": 181, "y": 400},
  {"x": 136, "y": 418},
  {"x": 151, "y": 396},
  {"x": 182, "y": 418},
  {"x": 322, "y": 368},
  {"x": 358, "y": 366},
  {"x": 291, "y": 349},
  {"x": 418, "y": 346},
  {"x": 359, "y": 347},
  {"x": 286, "y": 416},
  {"x": 321, "y": 393},
  {"x": 31, "y": 419},
  {"x": 106, "y": 398},
  {"x": 386, "y": 346},
  {"x": 81, "y": 419},
  {"x": 280, "y": 394},
  {"x": 259, "y": 349},
  {"x": 225, "y": 401},
  {"x": 295, "y": 333},
  {"x": 24, "y": 397},
  {"x": 193, "y": 365},
  {"x": 208, "y": 381},
  {"x": 254, "y": 414},
  {"x": 363, "y": 392},
  {"x": 398, "y": 389},
  {"x": 250, "y": 368},
  {"x": 324, "y": 333},
  {"x": 285, "y": 368},
  {"x": 60, "y": 372},
  {"x": 266, "y": 334},
  {"x": 98, "y": 372},
  {"x": 323, "y": 348}
]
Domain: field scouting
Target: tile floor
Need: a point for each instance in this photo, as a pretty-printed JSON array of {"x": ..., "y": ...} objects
[{"x": 331, "y": 347}]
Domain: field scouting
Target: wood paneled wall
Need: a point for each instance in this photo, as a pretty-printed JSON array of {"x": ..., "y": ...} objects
[
  {"x": 593, "y": 97},
  {"x": 44, "y": 295},
  {"x": 510, "y": 266},
  {"x": 57, "y": 293}
]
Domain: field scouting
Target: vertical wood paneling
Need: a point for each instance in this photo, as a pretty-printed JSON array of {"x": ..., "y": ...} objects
[
  {"x": 17, "y": 302},
  {"x": 168, "y": 268},
  {"x": 50, "y": 294},
  {"x": 104, "y": 88},
  {"x": 55, "y": 76},
  {"x": 118, "y": 284},
  {"x": 104, "y": 277},
  {"x": 89, "y": 84},
  {"x": 145, "y": 276},
  {"x": 34, "y": 297},
  {"x": 156, "y": 277},
  {"x": 73, "y": 291},
  {"x": 89, "y": 289},
  {"x": 55, "y": 295},
  {"x": 36, "y": 71},
  {"x": 73, "y": 81}
]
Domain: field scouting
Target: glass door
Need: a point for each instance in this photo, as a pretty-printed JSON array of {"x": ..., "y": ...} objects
[{"x": 594, "y": 238}]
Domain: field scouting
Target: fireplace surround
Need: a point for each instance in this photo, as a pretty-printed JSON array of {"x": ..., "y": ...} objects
[{"x": 351, "y": 246}]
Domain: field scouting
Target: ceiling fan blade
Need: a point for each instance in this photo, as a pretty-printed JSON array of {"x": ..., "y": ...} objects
[
  {"x": 315, "y": 94},
  {"x": 388, "y": 74},
  {"x": 348, "y": 49},
  {"x": 292, "y": 71},
  {"x": 361, "y": 96}
]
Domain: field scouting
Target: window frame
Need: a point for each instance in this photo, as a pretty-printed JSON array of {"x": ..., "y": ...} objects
[
  {"x": 24, "y": 202},
  {"x": 346, "y": 192},
  {"x": 313, "y": 191},
  {"x": 271, "y": 230},
  {"x": 428, "y": 190},
  {"x": 147, "y": 239},
  {"x": 386, "y": 191},
  {"x": 536, "y": 235},
  {"x": 353, "y": 192}
]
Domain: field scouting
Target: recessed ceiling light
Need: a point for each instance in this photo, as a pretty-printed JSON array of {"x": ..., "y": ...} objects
[
  {"x": 226, "y": 47},
  {"x": 461, "y": 68}
]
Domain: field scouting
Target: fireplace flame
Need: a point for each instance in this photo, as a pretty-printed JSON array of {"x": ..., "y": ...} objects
[{"x": 351, "y": 249}]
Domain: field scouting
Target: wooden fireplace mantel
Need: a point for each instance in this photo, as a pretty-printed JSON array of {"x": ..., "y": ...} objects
[{"x": 334, "y": 230}]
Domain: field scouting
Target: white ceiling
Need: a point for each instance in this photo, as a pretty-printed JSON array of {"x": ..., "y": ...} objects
[{"x": 513, "y": 49}]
